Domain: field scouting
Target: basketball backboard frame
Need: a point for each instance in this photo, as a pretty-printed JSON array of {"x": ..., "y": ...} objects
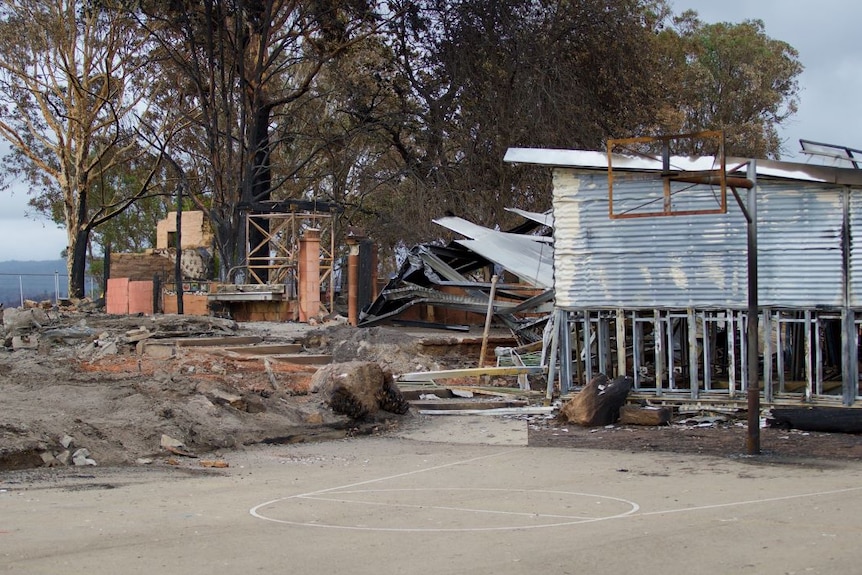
[{"x": 675, "y": 180}]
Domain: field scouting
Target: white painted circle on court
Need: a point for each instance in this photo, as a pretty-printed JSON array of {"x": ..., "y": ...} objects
[{"x": 442, "y": 509}]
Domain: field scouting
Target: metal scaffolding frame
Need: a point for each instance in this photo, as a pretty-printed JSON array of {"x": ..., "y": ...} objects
[
  {"x": 806, "y": 355},
  {"x": 282, "y": 232}
]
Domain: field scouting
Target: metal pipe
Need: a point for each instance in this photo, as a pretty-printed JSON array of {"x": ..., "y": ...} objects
[
  {"x": 353, "y": 282},
  {"x": 658, "y": 348},
  {"x": 552, "y": 359},
  {"x": 753, "y": 438},
  {"x": 693, "y": 375},
  {"x": 178, "y": 267},
  {"x": 565, "y": 354}
]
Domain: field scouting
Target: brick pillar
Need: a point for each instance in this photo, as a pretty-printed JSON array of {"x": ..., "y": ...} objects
[{"x": 309, "y": 274}]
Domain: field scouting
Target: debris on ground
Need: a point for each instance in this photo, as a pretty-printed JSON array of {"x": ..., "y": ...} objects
[
  {"x": 84, "y": 376},
  {"x": 453, "y": 278},
  {"x": 77, "y": 390}
]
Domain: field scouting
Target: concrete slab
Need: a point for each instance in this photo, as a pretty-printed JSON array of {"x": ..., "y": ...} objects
[
  {"x": 395, "y": 505},
  {"x": 165, "y": 348},
  {"x": 467, "y": 429},
  {"x": 459, "y": 404}
]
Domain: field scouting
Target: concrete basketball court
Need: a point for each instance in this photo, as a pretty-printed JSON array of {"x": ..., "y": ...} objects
[{"x": 454, "y": 495}]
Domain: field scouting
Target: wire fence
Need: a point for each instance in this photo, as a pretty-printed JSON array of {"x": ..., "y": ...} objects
[{"x": 16, "y": 288}]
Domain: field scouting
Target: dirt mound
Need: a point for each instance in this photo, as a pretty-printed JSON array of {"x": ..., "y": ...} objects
[{"x": 82, "y": 380}]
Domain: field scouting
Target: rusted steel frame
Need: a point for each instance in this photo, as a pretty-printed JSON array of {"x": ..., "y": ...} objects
[
  {"x": 701, "y": 178},
  {"x": 710, "y": 179}
]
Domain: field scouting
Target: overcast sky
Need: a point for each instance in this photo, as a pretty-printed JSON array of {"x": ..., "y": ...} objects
[{"x": 824, "y": 33}]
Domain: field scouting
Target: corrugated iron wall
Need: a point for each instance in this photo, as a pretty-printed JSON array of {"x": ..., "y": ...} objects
[
  {"x": 697, "y": 261},
  {"x": 855, "y": 266},
  {"x": 799, "y": 253}
]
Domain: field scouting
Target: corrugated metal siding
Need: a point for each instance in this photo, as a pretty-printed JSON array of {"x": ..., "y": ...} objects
[
  {"x": 694, "y": 261},
  {"x": 855, "y": 217},
  {"x": 799, "y": 244}
]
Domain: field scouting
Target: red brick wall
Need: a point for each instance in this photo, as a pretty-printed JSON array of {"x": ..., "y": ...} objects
[
  {"x": 192, "y": 304},
  {"x": 141, "y": 297},
  {"x": 117, "y": 298}
]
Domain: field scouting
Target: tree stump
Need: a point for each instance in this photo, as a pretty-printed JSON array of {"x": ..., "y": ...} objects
[
  {"x": 358, "y": 389},
  {"x": 598, "y": 403}
]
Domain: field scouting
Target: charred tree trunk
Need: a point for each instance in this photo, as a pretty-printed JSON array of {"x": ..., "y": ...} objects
[
  {"x": 261, "y": 191},
  {"x": 77, "y": 264},
  {"x": 827, "y": 419}
]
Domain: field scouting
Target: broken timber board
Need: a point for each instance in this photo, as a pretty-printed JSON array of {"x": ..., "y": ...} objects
[
  {"x": 459, "y": 404},
  {"x": 530, "y": 410},
  {"x": 276, "y": 349},
  {"x": 471, "y": 372},
  {"x": 213, "y": 341}
]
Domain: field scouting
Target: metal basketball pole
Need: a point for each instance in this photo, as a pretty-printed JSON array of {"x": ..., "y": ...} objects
[
  {"x": 753, "y": 440},
  {"x": 749, "y": 210}
]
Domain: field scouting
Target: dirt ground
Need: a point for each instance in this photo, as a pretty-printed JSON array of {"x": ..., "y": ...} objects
[
  {"x": 75, "y": 380},
  {"x": 727, "y": 439}
]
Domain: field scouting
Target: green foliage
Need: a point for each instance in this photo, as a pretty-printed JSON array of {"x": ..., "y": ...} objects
[
  {"x": 399, "y": 113},
  {"x": 730, "y": 77}
]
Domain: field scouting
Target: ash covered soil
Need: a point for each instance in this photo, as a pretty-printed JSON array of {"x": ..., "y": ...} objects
[
  {"x": 77, "y": 381},
  {"x": 78, "y": 377},
  {"x": 721, "y": 439}
]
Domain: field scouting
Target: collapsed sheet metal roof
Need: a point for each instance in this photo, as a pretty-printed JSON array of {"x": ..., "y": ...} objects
[
  {"x": 528, "y": 257},
  {"x": 591, "y": 160},
  {"x": 532, "y": 262},
  {"x": 429, "y": 270},
  {"x": 475, "y": 231},
  {"x": 545, "y": 218}
]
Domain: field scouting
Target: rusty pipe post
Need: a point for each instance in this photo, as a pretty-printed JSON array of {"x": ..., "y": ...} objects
[{"x": 353, "y": 282}]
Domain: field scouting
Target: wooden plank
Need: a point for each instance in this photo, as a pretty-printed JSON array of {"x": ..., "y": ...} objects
[
  {"x": 275, "y": 349},
  {"x": 470, "y": 372},
  {"x": 529, "y": 410},
  {"x": 461, "y": 404}
]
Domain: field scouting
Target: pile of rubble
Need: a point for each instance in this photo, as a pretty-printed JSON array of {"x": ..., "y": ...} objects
[
  {"x": 95, "y": 378},
  {"x": 66, "y": 453},
  {"x": 463, "y": 276}
]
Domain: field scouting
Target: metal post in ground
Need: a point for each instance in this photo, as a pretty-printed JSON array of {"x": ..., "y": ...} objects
[{"x": 753, "y": 440}]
